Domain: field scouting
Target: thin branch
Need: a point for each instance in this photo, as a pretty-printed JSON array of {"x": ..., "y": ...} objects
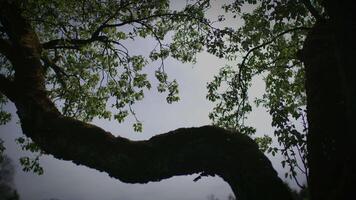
[
  {"x": 103, "y": 25},
  {"x": 73, "y": 43},
  {"x": 296, "y": 161},
  {"x": 269, "y": 65},
  {"x": 77, "y": 43},
  {"x": 53, "y": 44},
  {"x": 290, "y": 163},
  {"x": 144, "y": 19},
  {"x": 303, "y": 159},
  {"x": 272, "y": 40},
  {"x": 312, "y": 10},
  {"x": 242, "y": 66}
]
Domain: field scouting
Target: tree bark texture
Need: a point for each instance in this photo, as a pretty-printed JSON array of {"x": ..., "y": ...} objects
[
  {"x": 329, "y": 52},
  {"x": 207, "y": 150}
]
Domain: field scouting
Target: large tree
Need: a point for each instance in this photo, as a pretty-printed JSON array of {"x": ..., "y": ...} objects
[{"x": 50, "y": 50}]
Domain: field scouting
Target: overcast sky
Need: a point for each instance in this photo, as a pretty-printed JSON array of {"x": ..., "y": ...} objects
[{"x": 66, "y": 181}]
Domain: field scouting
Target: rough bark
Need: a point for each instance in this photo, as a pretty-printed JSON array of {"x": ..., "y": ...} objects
[
  {"x": 328, "y": 54},
  {"x": 209, "y": 150}
]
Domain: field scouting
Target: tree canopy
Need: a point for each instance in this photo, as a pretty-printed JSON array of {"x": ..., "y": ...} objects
[{"x": 64, "y": 63}]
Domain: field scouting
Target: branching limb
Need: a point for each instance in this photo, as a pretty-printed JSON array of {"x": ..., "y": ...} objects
[{"x": 208, "y": 150}]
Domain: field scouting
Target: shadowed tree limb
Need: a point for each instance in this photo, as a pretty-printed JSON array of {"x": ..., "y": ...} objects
[{"x": 213, "y": 151}]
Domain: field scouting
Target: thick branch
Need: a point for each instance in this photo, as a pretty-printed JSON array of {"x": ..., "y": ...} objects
[{"x": 210, "y": 150}]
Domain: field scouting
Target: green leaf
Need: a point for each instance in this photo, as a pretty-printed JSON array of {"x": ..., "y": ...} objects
[{"x": 137, "y": 127}]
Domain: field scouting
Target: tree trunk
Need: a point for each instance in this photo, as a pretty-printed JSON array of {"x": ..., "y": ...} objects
[
  {"x": 328, "y": 54},
  {"x": 209, "y": 150}
]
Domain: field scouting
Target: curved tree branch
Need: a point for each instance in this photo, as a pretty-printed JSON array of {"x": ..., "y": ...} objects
[{"x": 210, "y": 150}]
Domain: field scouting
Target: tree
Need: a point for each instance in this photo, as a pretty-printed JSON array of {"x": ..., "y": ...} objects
[
  {"x": 52, "y": 50},
  {"x": 330, "y": 91}
]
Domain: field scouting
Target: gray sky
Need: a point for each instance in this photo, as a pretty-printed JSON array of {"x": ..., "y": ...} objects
[{"x": 67, "y": 181}]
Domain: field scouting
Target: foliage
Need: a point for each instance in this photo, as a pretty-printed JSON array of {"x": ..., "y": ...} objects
[
  {"x": 87, "y": 49},
  {"x": 271, "y": 34},
  {"x": 4, "y": 116},
  {"x": 30, "y": 163}
]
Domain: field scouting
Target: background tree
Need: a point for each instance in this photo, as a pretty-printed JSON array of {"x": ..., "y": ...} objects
[{"x": 52, "y": 50}]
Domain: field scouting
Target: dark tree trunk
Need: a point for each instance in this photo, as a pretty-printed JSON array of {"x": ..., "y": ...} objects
[
  {"x": 208, "y": 150},
  {"x": 329, "y": 56}
]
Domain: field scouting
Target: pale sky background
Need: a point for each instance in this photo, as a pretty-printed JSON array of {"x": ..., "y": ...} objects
[{"x": 66, "y": 181}]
